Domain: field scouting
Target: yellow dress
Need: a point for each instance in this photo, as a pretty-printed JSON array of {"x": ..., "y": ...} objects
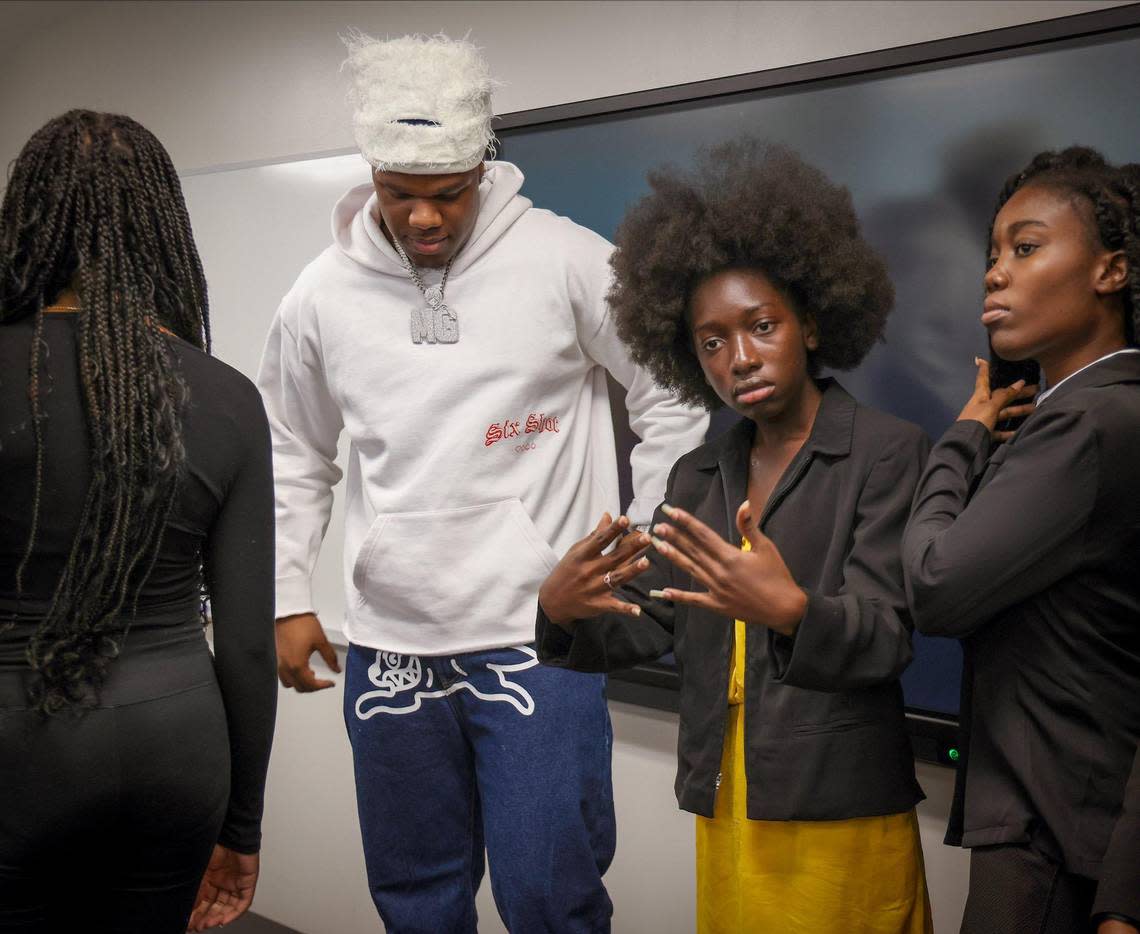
[{"x": 857, "y": 876}]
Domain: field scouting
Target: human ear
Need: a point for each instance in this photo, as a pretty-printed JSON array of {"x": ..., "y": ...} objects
[
  {"x": 1112, "y": 273},
  {"x": 811, "y": 333}
]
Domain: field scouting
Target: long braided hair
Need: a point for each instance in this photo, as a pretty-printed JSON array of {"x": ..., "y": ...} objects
[
  {"x": 93, "y": 203},
  {"x": 1113, "y": 196}
]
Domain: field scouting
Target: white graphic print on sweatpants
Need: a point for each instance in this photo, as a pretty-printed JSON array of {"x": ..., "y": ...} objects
[{"x": 403, "y": 683}]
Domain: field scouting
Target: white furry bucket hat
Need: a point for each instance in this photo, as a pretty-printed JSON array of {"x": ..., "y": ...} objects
[{"x": 422, "y": 104}]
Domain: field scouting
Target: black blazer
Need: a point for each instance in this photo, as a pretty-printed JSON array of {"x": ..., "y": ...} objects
[
  {"x": 1119, "y": 890},
  {"x": 823, "y": 719},
  {"x": 1030, "y": 553}
]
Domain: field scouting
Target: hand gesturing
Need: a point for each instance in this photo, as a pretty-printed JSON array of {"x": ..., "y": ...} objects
[
  {"x": 755, "y": 586},
  {"x": 582, "y": 584},
  {"x": 992, "y": 406}
]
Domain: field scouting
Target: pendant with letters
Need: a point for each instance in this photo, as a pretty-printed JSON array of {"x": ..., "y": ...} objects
[{"x": 434, "y": 323}]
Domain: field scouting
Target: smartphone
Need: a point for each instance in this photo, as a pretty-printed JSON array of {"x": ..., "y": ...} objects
[{"x": 1006, "y": 372}]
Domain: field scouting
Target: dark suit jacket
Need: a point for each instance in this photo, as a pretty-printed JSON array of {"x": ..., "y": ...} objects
[
  {"x": 1030, "y": 553},
  {"x": 1119, "y": 889},
  {"x": 823, "y": 718}
]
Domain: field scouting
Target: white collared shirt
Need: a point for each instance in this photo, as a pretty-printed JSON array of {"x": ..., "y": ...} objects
[{"x": 1048, "y": 392}]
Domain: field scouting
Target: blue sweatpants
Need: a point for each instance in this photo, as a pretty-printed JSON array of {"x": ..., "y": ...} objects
[{"x": 487, "y": 749}]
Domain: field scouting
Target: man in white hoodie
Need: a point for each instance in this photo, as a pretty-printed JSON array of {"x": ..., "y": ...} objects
[{"x": 461, "y": 337}]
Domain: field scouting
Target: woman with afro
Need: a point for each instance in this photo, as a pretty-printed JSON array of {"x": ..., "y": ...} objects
[
  {"x": 772, "y": 570},
  {"x": 1027, "y": 551}
]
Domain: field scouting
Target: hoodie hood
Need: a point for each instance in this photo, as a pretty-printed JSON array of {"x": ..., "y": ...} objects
[{"x": 358, "y": 235}]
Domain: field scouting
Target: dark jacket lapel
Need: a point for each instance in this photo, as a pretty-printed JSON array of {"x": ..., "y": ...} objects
[
  {"x": 728, "y": 455},
  {"x": 1123, "y": 368}
]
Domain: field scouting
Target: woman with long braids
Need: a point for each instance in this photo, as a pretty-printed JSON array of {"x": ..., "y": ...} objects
[
  {"x": 1025, "y": 545},
  {"x": 136, "y": 480}
]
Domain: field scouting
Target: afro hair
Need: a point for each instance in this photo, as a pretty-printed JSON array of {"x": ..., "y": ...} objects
[{"x": 745, "y": 204}]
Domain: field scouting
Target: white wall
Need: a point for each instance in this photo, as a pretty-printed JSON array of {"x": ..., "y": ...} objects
[{"x": 226, "y": 82}]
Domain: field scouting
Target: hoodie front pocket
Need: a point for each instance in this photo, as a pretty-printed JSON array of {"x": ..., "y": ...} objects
[{"x": 443, "y": 567}]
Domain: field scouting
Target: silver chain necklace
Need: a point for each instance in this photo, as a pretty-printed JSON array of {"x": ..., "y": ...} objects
[{"x": 435, "y": 322}]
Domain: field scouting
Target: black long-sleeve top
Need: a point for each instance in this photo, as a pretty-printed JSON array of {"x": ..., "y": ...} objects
[
  {"x": 825, "y": 737},
  {"x": 223, "y": 516},
  {"x": 1030, "y": 554}
]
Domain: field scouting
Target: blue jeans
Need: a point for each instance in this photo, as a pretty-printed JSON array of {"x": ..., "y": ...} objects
[{"x": 454, "y": 753}]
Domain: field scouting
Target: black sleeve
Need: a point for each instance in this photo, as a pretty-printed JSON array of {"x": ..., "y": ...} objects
[
  {"x": 1118, "y": 893},
  {"x": 613, "y": 641},
  {"x": 239, "y": 575},
  {"x": 862, "y": 635},
  {"x": 967, "y": 559}
]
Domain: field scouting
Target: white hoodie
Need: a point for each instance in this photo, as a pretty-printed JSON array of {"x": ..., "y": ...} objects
[{"x": 472, "y": 465}]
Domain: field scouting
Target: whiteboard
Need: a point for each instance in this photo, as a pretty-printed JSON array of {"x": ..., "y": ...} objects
[{"x": 256, "y": 228}]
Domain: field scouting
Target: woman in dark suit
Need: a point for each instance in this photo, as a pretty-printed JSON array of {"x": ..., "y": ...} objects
[
  {"x": 774, "y": 572},
  {"x": 136, "y": 477},
  {"x": 1028, "y": 551}
]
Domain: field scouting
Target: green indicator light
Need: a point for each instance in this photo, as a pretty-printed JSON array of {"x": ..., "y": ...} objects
[{"x": 953, "y": 754}]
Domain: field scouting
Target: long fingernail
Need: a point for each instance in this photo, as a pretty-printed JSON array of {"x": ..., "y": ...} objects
[
  {"x": 977, "y": 361},
  {"x": 658, "y": 543},
  {"x": 668, "y": 510},
  {"x": 658, "y": 594},
  {"x": 660, "y": 528},
  {"x": 636, "y": 611}
]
